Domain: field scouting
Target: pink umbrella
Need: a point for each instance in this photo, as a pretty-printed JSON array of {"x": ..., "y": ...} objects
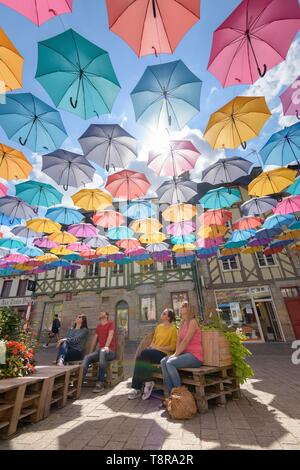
[
  {"x": 246, "y": 223},
  {"x": 288, "y": 205},
  {"x": 3, "y": 190},
  {"x": 83, "y": 230},
  {"x": 128, "y": 244},
  {"x": 127, "y": 185},
  {"x": 79, "y": 247},
  {"x": 15, "y": 258},
  {"x": 108, "y": 219},
  {"x": 162, "y": 257},
  {"x": 181, "y": 228},
  {"x": 136, "y": 251},
  {"x": 291, "y": 99},
  {"x": 209, "y": 242},
  {"x": 181, "y": 156},
  {"x": 253, "y": 39},
  {"x": 215, "y": 217},
  {"x": 44, "y": 242},
  {"x": 88, "y": 254},
  {"x": 39, "y": 11}
]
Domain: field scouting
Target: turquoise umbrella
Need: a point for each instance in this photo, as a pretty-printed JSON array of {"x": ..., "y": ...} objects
[
  {"x": 77, "y": 74},
  {"x": 294, "y": 189},
  {"x": 38, "y": 194},
  {"x": 30, "y": 251},
  {"x": 183, "y": 239},
  {"x": 11, "y": 243},
  {"x": 220, "y": 198},
  {"x": 231, "y": 244},
  {"x": 139, "y": 210},
  {"x": 64, "y": 215},
  {"x": 32, "y": 123},
  {"x": 241, "y": 235},
  {"x": 120, "y": 233},
  {"x": 283, "y": 147}
]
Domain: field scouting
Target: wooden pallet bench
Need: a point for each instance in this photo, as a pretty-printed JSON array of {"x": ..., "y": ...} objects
[
  {"x": 30, "y": 398},
  {"x": 206, "y": 383}
]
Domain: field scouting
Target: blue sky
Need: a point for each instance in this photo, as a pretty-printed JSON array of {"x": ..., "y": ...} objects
[{"x": 89, "y": 18}]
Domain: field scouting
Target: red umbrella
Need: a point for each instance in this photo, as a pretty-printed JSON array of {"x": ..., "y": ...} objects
[
  {"x": 127, "y": 185},
  {"x": 128, "y": 244},
  {"x": 215, "y": 217},
  {"x": 108, "y": 219},
  {"x": 152, "y": 26},
  {"x": 253, "y": 39},
  {"x": 246, "y": 223}
]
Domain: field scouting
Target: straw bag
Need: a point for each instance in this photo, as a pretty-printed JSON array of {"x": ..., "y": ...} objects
[{"x": 181, "y": 404}]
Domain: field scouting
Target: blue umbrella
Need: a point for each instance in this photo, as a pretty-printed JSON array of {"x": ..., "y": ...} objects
[
  {"x": 207, "y": 251},
  {"x": 14, "y": 207},
  {"x": 120, "y": 233},
  {"x": 139, "y": 210},
  {"x": 72, "y": 257},
  {"x": 231, "y": 244},
  {"x": 38, "y": 194},
  {"x": 283, "y": 147},
  {"x": 10, "y": 272},
  {"x": 11, "y": 243},
  {"x": 295, "y": 225},
  {"x": 30, "y": 251},
  {"x": 278, "y": 221},
  {"x": 258, "y": 205},
  {"x": 242, "y": 235},
  {"x": 64, "y": 215},
  {"x": 264, "y": 233},
  {"x": 220, "y": 198},
  {"x": 294, "y": 189},
  {"x": 183, "y": 239},
  {"x": 167, "y": 96},
  {"x": 184, "y": 259},
  {"x": 280, "y": 243},
  {"x": 23, "y": 232},
  {"x": 5, "y": 220},
  {"x": 32, "y": 123}
]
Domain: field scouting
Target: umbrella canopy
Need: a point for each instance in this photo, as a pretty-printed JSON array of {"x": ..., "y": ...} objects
[
  {"x": 294, "y": 189},
  {"x": 209, "y": 242},
  {"x": 242, "y": 235},
  {"x": 48, "y": 258},
  {"x": 64, "y": 215},
  {"x": 92, "y": 199},
  {"x": 203, "y": 253},
  {"x": 128, "y": 244},
  {"x": 212, "y": 231},
  {"x": 23, "y": 232},
  {"x": 179, "y": 157},
  {"x": 215, "y": 217},
  {"x": 38, "y": 194},
  {"x": 176, "y": 191},
  {"x": 183, "y": 248},
  {"x": 151, "y": 27},
  {"x": 43, "y": 225},
  {"x": 127, "y": 185},
  {"x": 250, "y": 250},
  {"x": 157, "y": 247},
  {"x": 108, "y": 219},
  {"x": 290, "y": 235},
  {"x": 232, "y": 245},
  {"x": 62, "y": 238},
  {"x": 13, "y": 164},
  {"x": 32, "y": 123},
  {"x": 5, "y": 220},
  {"x": 240, "y": 120},
  {"x": 279, "y": 221},
  {"x": 61, "y": 251},
  {"x": 181, "y": 228},
  {"x": 77, "y": 75},
  {"x": 283, "y": 147},
  {"x": 258, "y": 205},
  {"x": 14, "y": 207},
  {"x": 3, "y": 190},
  {"x": 183, "y": 239},
  {"x": 265, "y": 233},
  {"x": 150, "y": 238},
  {"x": 14, "y": 258},
  {"x": 290, "y": 100},
  {"x": 271, "y": 182},
  {"x": 11, "y": 64},
  {"x": 44, "y": 242},
  {"x": 41, "y": 11},
  {"x": 30, "y": 251},
  {"x": 259, "y": 242},
  {"x": 226, "y": 170},
  {"x": 119, "y": 233},
  {"x": 220, "y": 198},
  {"x": 247, "y": 222},
  {"x": 139, "y": 209},
  {"x": 83, "y": 230},
  {"x": 109, "y": 145},
  {"x": 96, "y": 242},
  {"x": 11, "y": 243},
  {"x": 146, "y": 225},
  {"x": 79, "y": 247},
  {"x": 107, "y": 250},
  {"x": 295, "y": 225},
  {"x": 167, "y": 96},
  {"x": 246, "y": 44},
  {"x": 288, "y": 205},
  {"x": 68, "y": 169},
  {"x": 179, "y": 212}
]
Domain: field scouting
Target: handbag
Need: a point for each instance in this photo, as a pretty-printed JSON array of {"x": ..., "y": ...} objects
[{"x": 181, "y": 403}]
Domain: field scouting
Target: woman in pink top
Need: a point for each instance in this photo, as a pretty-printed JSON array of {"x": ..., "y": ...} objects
[{"x": 188, "y": 349}]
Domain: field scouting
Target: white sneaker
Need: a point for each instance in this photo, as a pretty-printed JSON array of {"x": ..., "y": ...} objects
[
  {"x": 60, "y": 362},
  {"x": 45, "y": 346},
  {"x": 147, "y": 390},
  {"x": 134, "y": 394}
]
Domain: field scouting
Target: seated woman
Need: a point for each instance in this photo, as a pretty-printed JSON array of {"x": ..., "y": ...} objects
[
  {"x": 163, "y": 344},
  {"x": 188, "y": 349},
  {"x": 71, "y": 348}
]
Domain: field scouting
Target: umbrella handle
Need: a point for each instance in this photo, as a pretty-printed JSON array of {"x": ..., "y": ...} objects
[
  {"x": 262, "y": 74},
  {"x": 52, "y": 11},
  {"x": 154, "y": 8},
  {"x": 297, "y": 115},
  {"x": 155, "y": 51},
  {"x": 21, "y": 142},
  {"x": 72, "y": 103},
  {"x": 244, "y": 145},
  {"x": 65, "y": 187}
]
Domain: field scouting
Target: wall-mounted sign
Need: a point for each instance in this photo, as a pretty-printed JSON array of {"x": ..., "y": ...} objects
[{"x": 15, "y": 302}]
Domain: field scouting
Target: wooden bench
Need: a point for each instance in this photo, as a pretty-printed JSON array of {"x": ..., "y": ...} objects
[{"x": 31, "y": 397}]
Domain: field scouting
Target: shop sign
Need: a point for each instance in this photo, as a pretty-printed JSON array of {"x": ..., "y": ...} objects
[{"x": 15, "y": 302}]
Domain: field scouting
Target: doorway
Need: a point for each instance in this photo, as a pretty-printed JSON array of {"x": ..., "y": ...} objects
[
  {"x": 122, "y": 314},
  {"x": 268, "y": 320}
]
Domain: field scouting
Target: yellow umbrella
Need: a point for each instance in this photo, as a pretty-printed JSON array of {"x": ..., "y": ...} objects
[
  {"x": 43, "y": 225},
  {"x": 61, "y": 251},
  {"x": 212, "y": 231},
  {"x": 150, "y": 238},
  {"x": 63, "y": 238},
  {"x": 107, "y": 250},
  {"x": 250, "y": 250},
  {"x": 11, "y": 64},
  {"x": 145, "y": 262},
  {"x": 230, "y": 251},
  {"x": 23, "y": 267},
  {"x": 146, "y": 225},
  {"x": 179, "y": 212},
  {"x": 13, "y": 164},
  {"x": 48, "y": 258},
  {"x": 92, "y": 199},
  {"x": 271, "y": 182},
  {"x": 241, "y": 119},
  {"x": 183, "y": 248},
  {"x": 107, "y": 264},
  {"x": 295, "y": 247},
  {"x": 290, "y": 235}
]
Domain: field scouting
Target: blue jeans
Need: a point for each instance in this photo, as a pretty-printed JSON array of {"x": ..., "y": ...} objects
[
  {"x": 67, "y": 353},
  {"x": 103, "y": 358},
  {"x": 169, "y": 366}
]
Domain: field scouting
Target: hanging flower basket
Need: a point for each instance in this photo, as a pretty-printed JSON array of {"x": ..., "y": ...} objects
[{"x": 19, "y": 360}]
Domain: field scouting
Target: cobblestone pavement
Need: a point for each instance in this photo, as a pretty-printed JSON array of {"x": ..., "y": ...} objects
[{"x": 267, "y": 417}]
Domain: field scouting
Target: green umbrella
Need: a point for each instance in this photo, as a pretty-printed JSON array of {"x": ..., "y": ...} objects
[{"x": 77, "y": 74}]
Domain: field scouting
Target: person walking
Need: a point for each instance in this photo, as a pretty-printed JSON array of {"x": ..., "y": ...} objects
[
  {"x": 71, "y": 348},
  {"x": 54, "y": 332}
]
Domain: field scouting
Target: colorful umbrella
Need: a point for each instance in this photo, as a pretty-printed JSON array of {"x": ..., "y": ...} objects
[
  {"x": 152, "y": 27},
  {"x": 78, "y": 246},
  {"x": 181, "y": 228},
  {"x": 108, "y": 219},
  {"x": 226, "y": 170},
  {"x": 242, "y": 235},
  {"x": 23, "y": 232},
  {"x": 157, "y": 247},
  {"x": 240, "y": 120},
  {"x": 146, "y": 226},
  {"x": 92, "y": 199},
  {"x": 180, "y": 156},
  {"x": 43, "y": 226},
  {"x": 11, "y": 64},
  {"x": 212, "y": 231},
  {"x": 11, "y": 243},
  {"x": 109, "y": 145},
  {"x": 107, "y": 250},
  {"x": 77, "y": 75},
  {"x": 232, "y": 245},
  {"x": 3, "y": 190},
  {"x": 13, "y": 164},
  {"x": 283, "y": 147},
  {"x": 118, "y": 233},
  {"x": 139, "y": 209},
  {"x": 176, "y": 191},
  {"x": 16, "y": 258},
  {"x": 220, "y": 198},
  {"x": 62, "y": 238},
  {"x": 247, "y": 222},
  {"x": 203, "y": 253},
  {"x": 278, "y": 221},
  {"x": 39, "y": 11},
  {"x": 183, "y": 248},
  {"x": 128, "y": 244},
  {"x": 258, "y": 205},
  {"x": 16, "y": 208},
  {"x": 127, "y": 185},
  {"x": 38, "y": 194},
  {"x": 294, "y": 189},
  {"x": 183, "y": 239},
  {"x": 271, "y": 182},
  {"x": 48, "y": 258},
  {"x": 250, "y": 250},
  {"x": 30, "y": 251},
  {"x": 64, "y": 215},
  {"x": 83, "y": 230},
  {"x": 295, "y": 225},
  {"x": 155, "y": 237},
  {"x": 167, "y": 96},
  {"x": 61, "y": 251},
  {"x": 290, "y": 235},
  {"x": 209, "y": 242},
  {"x": 32, "y": 123},
  {"x": 97, "y": 242},
  {"x": 138, "y": 251},
  {"x": 288, "y": 205},
  {"x": 179, "y": 212},
  {"x": 5, "y": 220},
  {"x": 290, "y": 100},
  {"x": 68, "y": 169},
  {"x": 44, "y": 242},
  {"x": 247, "y": 43},
  {"x": 265, "y": 233},
  {"x": 259, "y": 242},
  {"x": 215, "y": 217},
  {"x": 162, "y": 256}
]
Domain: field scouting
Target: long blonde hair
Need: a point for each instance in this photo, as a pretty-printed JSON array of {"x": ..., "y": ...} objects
[{"x": 191, "y": 313}]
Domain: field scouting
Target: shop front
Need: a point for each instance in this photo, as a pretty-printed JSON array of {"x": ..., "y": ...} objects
[{"x": 253, "y": 311}]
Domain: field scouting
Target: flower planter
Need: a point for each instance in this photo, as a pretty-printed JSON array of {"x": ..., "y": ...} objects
[{"x": 216, "y": 350}]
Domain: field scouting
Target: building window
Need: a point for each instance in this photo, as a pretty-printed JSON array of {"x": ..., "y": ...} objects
[
  {"x": 148, "y": 268},
  {"x": 290, "y": 291},
  {"x": 93, "y": 270},
  {"x": 6, "y": 289},
  {"x": 177, "y": 299},
  {"x": 148, "y": 308},
  {"x": 22, "y": 288},
  {"x": 264, "y": 260},
  {"x": 69, "y": 274},
  {"x": 230, "y": 264},
  {"x": 118, "y": 269}
]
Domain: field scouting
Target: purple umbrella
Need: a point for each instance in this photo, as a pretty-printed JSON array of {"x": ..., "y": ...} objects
[
  {"x": 290, "y": 99},
  {"x": 179, "y": 157},
  {"x": 209, "y": 242},
  {"x": 162, "y": 256},
  {"x": 179, "y": 229},
  {"x": 44, "y": 242},
  {"x": 83, "y": 230},
  {"x": 261, "y": 241}
]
